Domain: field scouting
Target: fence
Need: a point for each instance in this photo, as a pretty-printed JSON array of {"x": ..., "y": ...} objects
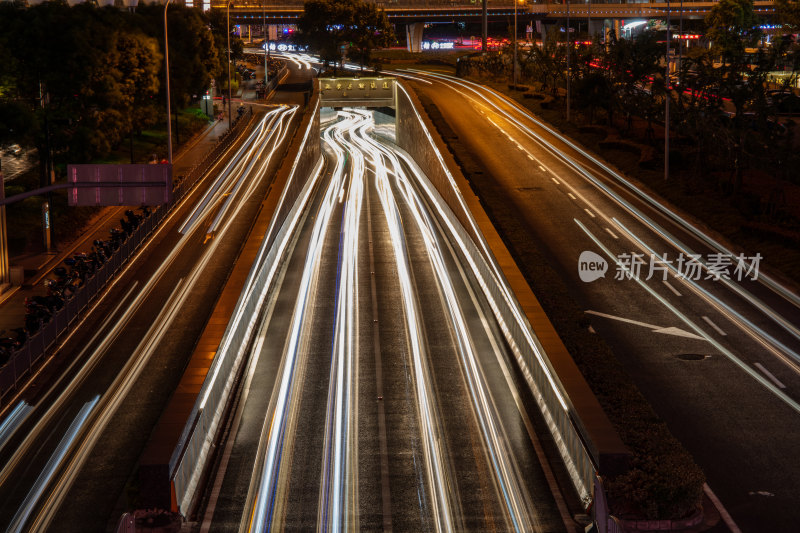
[{"x": 24, "y": 360}]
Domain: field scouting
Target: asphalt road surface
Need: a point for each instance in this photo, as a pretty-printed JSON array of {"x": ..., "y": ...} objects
[
  {"x": 379, "y": 394},
  {"x": 717, "y": 358},
  {"x": 69, "y": 446}
]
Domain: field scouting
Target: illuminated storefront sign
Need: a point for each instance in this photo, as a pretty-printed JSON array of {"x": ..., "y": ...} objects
[{"x": 438, "y": 45}]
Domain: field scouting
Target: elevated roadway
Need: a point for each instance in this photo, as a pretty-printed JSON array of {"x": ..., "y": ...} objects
[{"x": 256, "y": 13}]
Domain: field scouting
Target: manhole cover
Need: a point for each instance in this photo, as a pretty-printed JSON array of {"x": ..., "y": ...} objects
[{"x": 691, "y": 356}]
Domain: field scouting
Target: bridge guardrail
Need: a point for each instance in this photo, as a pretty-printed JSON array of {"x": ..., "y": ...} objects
[
  {"x": 22, "y": 362},
  {"x": 188, "y": 461}
]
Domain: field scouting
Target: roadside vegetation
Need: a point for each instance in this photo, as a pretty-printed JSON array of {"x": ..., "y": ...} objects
[
  {"x": 87, "y": 84},
  {"x": 335, "y": 29}
]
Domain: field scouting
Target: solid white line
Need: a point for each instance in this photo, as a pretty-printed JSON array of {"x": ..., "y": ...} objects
[
  {"x": 589, "y": 213},
  {"x": 723, "y": 513},
  {"x": 611, "y": 233},
  {"x": 571, "y": 195},
  {"x": 555, "y": 181},
  {"x": 670, "y": 287},
  {"x": 770, "y": 375},
  {"x": 716, "y": 327}
]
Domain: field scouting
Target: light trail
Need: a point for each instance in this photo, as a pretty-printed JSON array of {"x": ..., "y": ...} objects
[
  {"x": 686, "y": 320},
  {"x": 31, "y": 499},
  {"x": 247, "y": 163},
  {"x": 506, "y": 472},
  {"x": 338, "y": 490},
  {"x": 440, "y": 485},
  {"x": 276, "y": 133},
  {"x": 476, "y": 89},
  {"x": 111, "y": 399},
  {"x": 758, "y": 334},
  {"x": 264, "y": 504},
  {"x": 13, "y": 420}
]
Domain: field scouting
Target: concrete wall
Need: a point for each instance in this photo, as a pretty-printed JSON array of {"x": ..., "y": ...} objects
[
  {"x": 187, "y": 458},
  {"x": 583, "y": 434}
]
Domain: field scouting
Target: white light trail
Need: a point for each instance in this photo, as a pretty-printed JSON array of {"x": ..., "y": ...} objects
[
  {"x": 506, "y": 472},
  {"x": 270, "y": 132},
  {"x": 13, "y": 420},
  {"x": 481, "y": 94},
  {"x": 263, "y": 507},
  {"x": 24, "y": 511}
]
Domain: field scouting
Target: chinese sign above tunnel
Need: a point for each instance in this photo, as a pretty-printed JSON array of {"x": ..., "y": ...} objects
[{"x": 373, "y": 91}]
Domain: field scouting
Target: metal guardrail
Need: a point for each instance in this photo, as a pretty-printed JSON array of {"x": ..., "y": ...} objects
[
  {"x": 189, "y": 458},
  {"x": 22, "y": 363}
]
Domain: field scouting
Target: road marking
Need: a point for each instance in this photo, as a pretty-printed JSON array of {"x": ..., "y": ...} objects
[
  {"x": 723, "y": 513},
  {"x": 540, "y": 166},
  {"x": 520, "y": 147},
  {"x": 611, "y": 233},
  {"x": 571, "y": 195},
  {"x": 555, "y": 181},
  {"x": 530, "y": 157},
  {"x": 716, "y": 327},
  {"x": 589, "y": 213},
  {"x": 670, "y": 287},
  {"x": 655, "y": 329},
  {"x": 770, "y": 375},
  {"x": 767, "y": 384}
]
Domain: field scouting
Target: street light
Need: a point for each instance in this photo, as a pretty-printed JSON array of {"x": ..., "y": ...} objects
[
  {"x": 166, "y": 68},
  {"x": 515, "y": 44},
  {"x": 569, "y": 49},
  {"x": 266, "y": 45},
  {"x": 666, "y": 110},
  {"x": 230, "y": 115}
]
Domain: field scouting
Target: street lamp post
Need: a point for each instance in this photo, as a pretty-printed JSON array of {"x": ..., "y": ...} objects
[
  {"x": 666, "y": 108},
  {"x": 166, "y": 68},
  {"x": 228, "y": 28},
  {"x": 515, "y": 44},
  {"x": 266, "y": 46},
  {"x": 569, "y": 50}
]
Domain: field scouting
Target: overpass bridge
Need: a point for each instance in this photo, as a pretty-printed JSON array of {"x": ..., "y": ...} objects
[
  {"x": 415, "y": 13},
  {"x": 411, "y": 11}
]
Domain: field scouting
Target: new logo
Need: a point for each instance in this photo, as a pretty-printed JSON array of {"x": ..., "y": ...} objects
[{"x": 591, "y": 266}]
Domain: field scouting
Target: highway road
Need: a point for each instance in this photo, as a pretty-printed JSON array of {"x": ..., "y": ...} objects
[
  {"x": 717, "y": 358},
  {"x": 68, "y": 446},
  {"x": 379, "y": 394}
]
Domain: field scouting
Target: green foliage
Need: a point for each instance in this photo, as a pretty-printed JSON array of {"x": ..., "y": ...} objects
[
  {"x": 93, "y": 75},
  {"x": 328, "y": 27}
]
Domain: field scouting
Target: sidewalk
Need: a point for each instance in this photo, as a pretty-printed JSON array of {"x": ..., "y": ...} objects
[{"x": 37, "y": 266}]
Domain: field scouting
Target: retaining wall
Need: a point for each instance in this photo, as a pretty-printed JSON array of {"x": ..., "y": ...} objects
[{"x": 585, "y": 437}]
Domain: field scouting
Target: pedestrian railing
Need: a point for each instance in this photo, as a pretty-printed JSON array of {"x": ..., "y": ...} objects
[{"x": 22, "y": 362}]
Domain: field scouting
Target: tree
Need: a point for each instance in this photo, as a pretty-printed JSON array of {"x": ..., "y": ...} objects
[
  {"x": 370, "y": 30},
  {"x": 329, "y": 26},
  {"x": 218, "y": 23}
]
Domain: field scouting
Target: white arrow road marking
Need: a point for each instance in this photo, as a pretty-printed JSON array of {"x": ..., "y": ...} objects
[{"x": 656, "y": 329}]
